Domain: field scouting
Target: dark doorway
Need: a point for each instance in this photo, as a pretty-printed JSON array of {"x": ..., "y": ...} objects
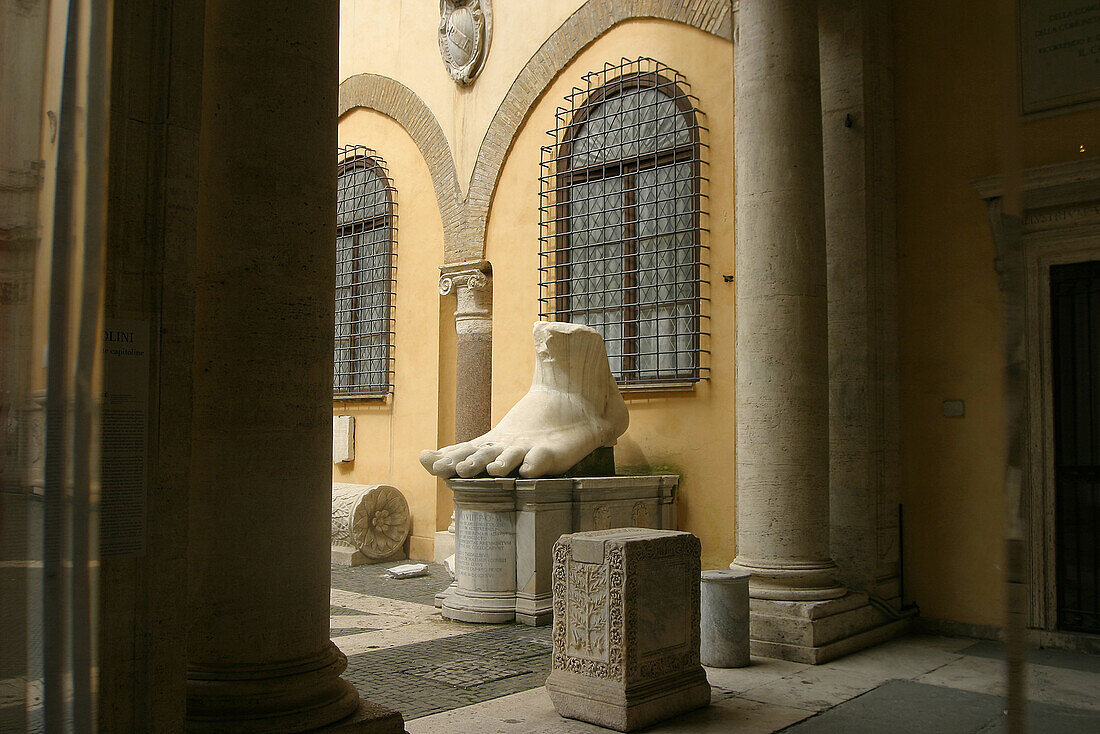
[{"x": 1075, "y": 314}]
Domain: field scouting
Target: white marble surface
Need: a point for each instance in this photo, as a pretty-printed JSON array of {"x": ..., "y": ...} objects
[
  {"x": 572, "y": 408},
  {"x": 343, "y": 439},
  {"x": 724, "y": 622}
]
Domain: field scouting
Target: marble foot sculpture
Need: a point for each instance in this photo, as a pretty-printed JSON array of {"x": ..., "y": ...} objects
[{"x": 573, "y": 408}]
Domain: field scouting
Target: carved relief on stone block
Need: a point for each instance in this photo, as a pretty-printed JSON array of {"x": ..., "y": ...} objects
[
  {"x": 587, "y": 611},
  {"x": 465, "y": 31},
  {"x": 373, "y": 519},
  {"x": 601, "y": 518},
  {"x": 598, "y": 650},
  {"x": 639, "y": 515},
  {"x": 667, "y": 594},
  {"x": 626, "y": 627}
]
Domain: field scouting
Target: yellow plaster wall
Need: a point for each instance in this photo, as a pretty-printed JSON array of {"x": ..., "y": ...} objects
[
  {"x": 690, "y": 432},
  {"x": 949, "y": 123},
  {"x": 389, "y": 434},
  {"x": 399, "y": 40}
]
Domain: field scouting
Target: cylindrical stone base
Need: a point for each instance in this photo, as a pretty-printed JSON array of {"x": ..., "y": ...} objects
[
  {"x": 485, "y": 555},
  {"x": 724, "y": 619}
]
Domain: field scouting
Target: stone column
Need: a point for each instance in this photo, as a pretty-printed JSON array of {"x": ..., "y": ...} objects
[
  {"x": 782, "y": 330},
  {"x": 471, "y": 284},
  {"x": 858, "y": 129},
  {"x": 259, "y": 654}
]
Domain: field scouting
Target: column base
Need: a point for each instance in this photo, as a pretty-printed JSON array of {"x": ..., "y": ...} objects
[
  {"x": 801, "y": 581},
  {"x": 489, "y": 607},
  {"x": 295, "y": 696},
  {"x": 442, "y": 596},
  {"x": 816, "y": 632},
  {"x": 369, "y": 718},
  {"x": 535, "y": 610}
]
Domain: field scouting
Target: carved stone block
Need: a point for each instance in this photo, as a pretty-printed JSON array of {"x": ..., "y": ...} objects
[
  {"x": 369, "y": 523},
  {"x": 626, "y": 627}
]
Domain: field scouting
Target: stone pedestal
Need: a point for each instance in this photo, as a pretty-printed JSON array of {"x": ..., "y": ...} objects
[
  {"x": 485, "y": 557},
  {"x": 506, "y": 529},
  {"x": 626, "y": 627},
  {"x": 443, "y": 546},
  {"x": 724, "y": 607},
  {"x": 818, "y": 632}
]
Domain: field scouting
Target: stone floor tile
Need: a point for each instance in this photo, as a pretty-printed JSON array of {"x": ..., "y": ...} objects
[
  {"x": 1062, "y": 687},
  {"x": 381, "y": 605},
  {"x": 1047, "y": 657},
  {"x": 814, "y": 688},
  {"x": 1048, "y": 719},
  {"x": 334, "y": 632},
  {"x": 532, "y": 712},
  {"x": 939, "y": 642},
  {"x": 974, "y": 674},
  {"x": 760, "y": 671},
  {"x": 407, "y": 634},
  {"x": 895, "y": 659},
  {"x": 905, "y": 707},
  {"x": 1058, "y": 686}
]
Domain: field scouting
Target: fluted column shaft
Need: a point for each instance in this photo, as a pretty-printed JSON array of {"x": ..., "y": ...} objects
[
  {"x": 259, "y": 654},
  {"x": 782, "y": 331}
]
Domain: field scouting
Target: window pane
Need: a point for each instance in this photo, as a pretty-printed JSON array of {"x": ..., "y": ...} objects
[
  {"x": 620, "y": 217},
  {"x": 364, "y": 252},
  {"x": 638, "y": 121},
  {"x": 596, "y": 252}
]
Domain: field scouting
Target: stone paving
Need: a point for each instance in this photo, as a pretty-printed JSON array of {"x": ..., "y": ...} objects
[
  {"x": 371, "y": 580},
  {"x": 438, "y": 675},
  {"x": 474, "y": 663},
  {"x": 446, "y": 676}
]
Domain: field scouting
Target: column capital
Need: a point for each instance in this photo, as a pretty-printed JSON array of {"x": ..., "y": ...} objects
[
  {"x": 474, "y": 275},
  {"x": 472, "y": 284}
]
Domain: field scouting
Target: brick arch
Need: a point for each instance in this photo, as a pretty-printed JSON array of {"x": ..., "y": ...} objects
[
  {"x": 465, "y": 219},
  {"x": 588, "y": 23},
  {"x": 395, "y": 100}
]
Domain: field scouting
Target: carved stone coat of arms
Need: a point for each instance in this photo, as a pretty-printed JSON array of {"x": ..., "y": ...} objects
[{"x": 465, "y": 29}]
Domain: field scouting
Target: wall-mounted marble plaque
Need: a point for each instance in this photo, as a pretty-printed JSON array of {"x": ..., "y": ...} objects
[{"x": 1059, "y": 53}]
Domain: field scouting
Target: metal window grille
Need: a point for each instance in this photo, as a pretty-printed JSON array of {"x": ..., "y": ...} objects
[
  {"x": 366, "y": 225},
  {"x": 622, "y": 221},
  {"x": 1075, "y": 352}
]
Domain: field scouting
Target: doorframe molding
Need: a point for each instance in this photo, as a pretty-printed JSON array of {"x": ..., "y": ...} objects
[{"x": 1060, "y": 224}]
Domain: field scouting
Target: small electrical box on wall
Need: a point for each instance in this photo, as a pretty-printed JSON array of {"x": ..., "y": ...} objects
[{"x": 954, "y": 408}]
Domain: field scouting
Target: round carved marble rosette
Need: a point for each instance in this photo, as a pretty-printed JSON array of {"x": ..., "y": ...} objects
[
  {"x": 373, "y": 519},
  {"x": 465, "y": 29}
]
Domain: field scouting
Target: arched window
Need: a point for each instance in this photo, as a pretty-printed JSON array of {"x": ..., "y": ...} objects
[
  {"x": 620, "y": 213},
  {"x": 366, "y": 220}
]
